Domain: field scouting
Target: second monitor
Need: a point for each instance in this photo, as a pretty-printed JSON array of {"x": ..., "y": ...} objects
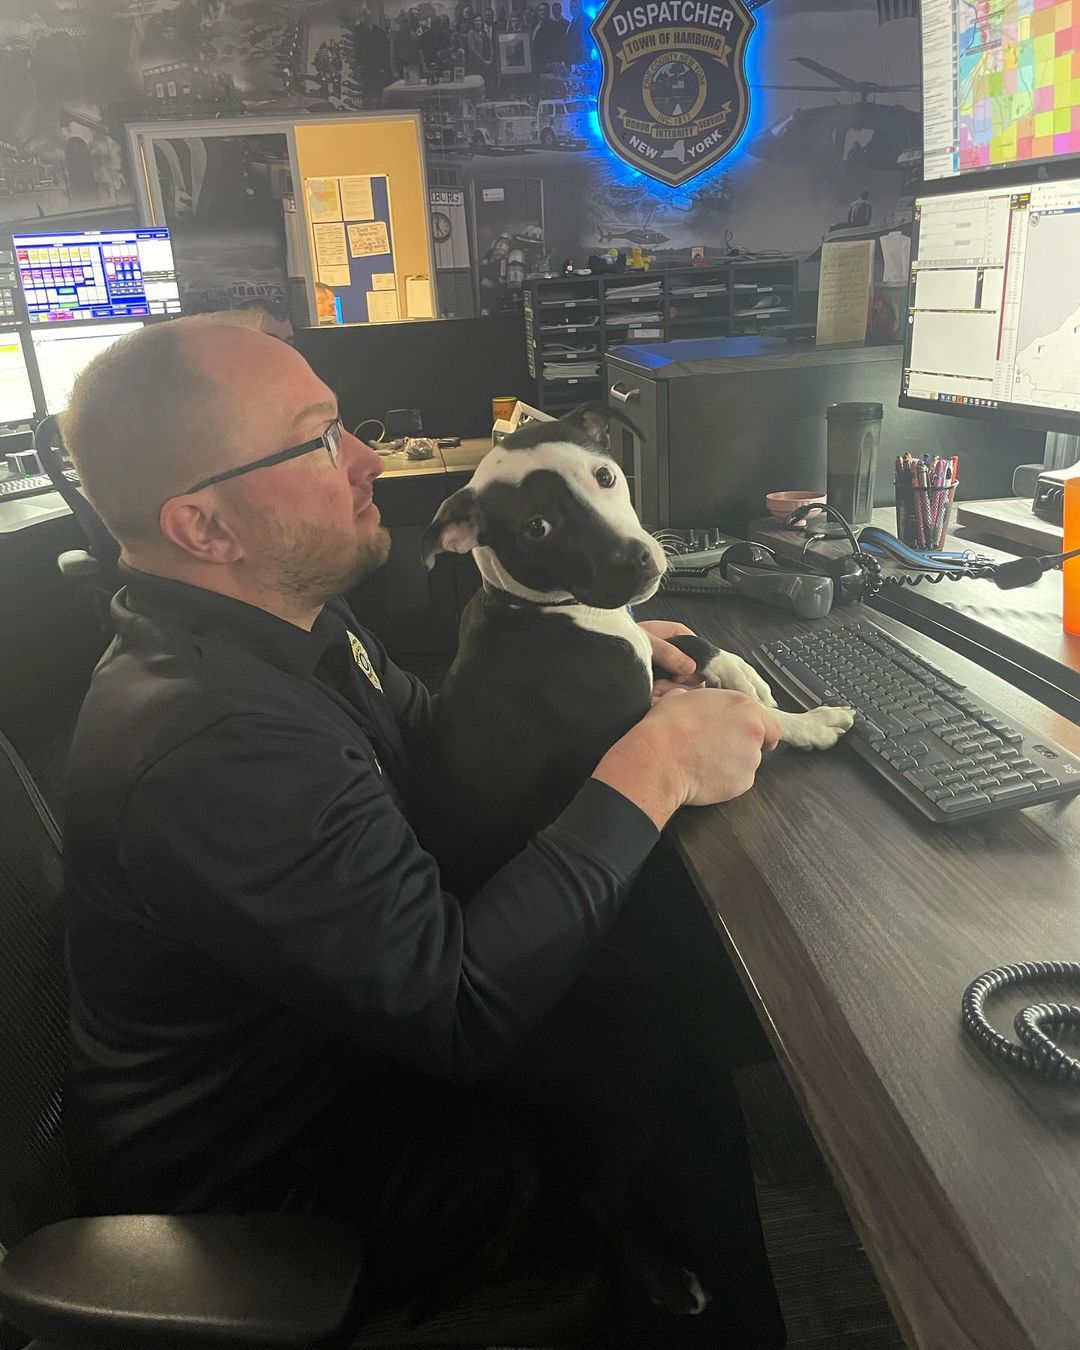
[
  {"x": 61, "y": 354},
  {"x": 84, "y": 275},
  {"x": 993, "y": 326}
]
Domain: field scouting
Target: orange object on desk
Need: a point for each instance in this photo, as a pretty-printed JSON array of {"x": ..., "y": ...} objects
[{"x": 1070, "y": 571}]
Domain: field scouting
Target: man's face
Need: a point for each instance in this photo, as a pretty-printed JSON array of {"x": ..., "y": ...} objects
[
  {"x": 575, "y": 8},
  {"x": 309, "y": 529}
]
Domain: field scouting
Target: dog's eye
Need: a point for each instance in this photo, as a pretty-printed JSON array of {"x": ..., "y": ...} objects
[
  {"x": 605, "y": 476},
  {"x": 538, "y": 528}
]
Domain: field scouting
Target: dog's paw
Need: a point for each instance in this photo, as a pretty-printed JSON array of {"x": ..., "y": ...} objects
[
  {"x": 818, "y": 729},
  {"x": 727, "y": 671}
]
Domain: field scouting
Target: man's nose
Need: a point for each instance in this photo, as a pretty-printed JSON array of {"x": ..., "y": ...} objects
[{"x": 363, "y": 463}]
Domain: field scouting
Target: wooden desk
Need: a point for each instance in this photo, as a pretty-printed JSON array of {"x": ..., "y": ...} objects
[
  {"x": 1009, "y": 518},
  {"x": 856, "y": 926},
  {"x": 1017, "y": 634}
]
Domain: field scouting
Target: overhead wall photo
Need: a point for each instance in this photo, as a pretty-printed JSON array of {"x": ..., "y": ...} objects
[{"x": 519, "y": 176}]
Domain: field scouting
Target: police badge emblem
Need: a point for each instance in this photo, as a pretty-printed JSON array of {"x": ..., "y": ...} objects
[
  {"x": 362, "y": 659},
  {"x": 674, "y": 98}
]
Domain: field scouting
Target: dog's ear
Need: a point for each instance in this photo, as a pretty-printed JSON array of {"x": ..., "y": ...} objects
[
  {"x": 595, "y": 419},
  {"x": 454, "y": 528}
]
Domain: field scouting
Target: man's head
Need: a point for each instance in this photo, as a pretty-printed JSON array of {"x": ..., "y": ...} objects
[
  {"x": 556, "y": 11},
  {"x": 161, "y": 411}
]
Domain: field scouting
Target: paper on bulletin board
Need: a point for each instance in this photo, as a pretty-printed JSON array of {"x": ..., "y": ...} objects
[
  {"x": 323, "y": 200},
  {"x": 847, "y": 272},
  {"x": 382, "y": 306},
  {"x": 365, "y": 241},
  {"x": 383, "y": 281},
  {"x": 335, "y": 276},
  {"x": 357, "y": 202},
  {"x": 330, "y": 248}
]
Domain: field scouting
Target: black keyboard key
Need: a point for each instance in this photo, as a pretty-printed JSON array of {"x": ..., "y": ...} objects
[
  {"x": 964, "y": 802},
  {"x": 1008, "y": 792},
  {"x": 922, "y": 778}
]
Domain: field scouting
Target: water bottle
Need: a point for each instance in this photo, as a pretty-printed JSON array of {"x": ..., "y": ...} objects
[{"x": 854, "y": 433}]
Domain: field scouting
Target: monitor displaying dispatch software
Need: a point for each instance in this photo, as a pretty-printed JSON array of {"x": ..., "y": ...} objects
[
  {"x": 1001, "y": 83},
  {"x": 16, "y": 395},
  {"x": 993, "y": 326},
  {"x": 97, "y": 275},
  {"x": 61, "y": 353}
]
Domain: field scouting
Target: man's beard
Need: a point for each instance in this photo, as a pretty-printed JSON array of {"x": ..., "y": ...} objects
[{"x": 301, "y": 563}]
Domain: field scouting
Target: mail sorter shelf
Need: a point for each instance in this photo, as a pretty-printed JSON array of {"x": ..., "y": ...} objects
[{"x": 568, "y": 313}]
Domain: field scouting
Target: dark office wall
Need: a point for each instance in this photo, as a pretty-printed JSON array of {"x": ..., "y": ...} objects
[
  {"x": 449, "y": 370},
  {"x": 834, "y": 103}
]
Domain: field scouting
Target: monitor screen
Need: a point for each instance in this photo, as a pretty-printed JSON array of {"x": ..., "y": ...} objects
[
  {"x": 97, "y": 274},
  {"x": 61, "y": 354},
  {"x": 993, "y": 325},
  {"x": 1001, "y": 84},
  {"x": 16, "y": 395}
]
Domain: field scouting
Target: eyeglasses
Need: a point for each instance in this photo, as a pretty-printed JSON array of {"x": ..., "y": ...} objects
[{"x": 330, "y": 441}]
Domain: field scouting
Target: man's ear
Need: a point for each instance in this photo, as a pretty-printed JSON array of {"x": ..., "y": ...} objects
[
  {"x": 454, "y": 528},
  {"x": 595, "y": 419}
]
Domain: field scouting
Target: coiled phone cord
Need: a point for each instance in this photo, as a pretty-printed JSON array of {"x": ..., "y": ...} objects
[{"x": 1037, "y": 1054}]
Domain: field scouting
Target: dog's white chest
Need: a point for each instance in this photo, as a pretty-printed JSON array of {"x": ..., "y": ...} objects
[{"x": 613, "y": 623}]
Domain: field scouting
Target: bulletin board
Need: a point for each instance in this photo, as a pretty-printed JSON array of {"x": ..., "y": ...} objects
[{"x": 352, "y": 244}]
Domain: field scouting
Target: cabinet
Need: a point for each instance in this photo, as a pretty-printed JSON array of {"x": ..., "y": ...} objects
[{"x": 571, "y": 321}]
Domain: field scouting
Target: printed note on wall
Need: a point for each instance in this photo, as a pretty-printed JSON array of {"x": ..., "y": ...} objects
[
  {"x": 330, "y": 246},
  {"x": 382, "y": 306},
  {"x": 335, "y": 276},
  {"x": 847, "y": 272},
  {"x": 323, "y": 201},
  {"x": 383, "y": 281},
  {"x": 365, "y": 241},
  {"x": 356, "y": 199}
]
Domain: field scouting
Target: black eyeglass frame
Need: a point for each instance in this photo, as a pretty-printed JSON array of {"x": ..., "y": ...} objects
[{"x": 279, "y": 457}]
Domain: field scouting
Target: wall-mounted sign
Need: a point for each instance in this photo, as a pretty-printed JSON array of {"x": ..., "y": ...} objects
[{"x": 674, "y": 98}]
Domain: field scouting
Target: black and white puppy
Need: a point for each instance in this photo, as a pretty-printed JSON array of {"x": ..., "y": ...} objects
[{"x": 551, "y": 668}]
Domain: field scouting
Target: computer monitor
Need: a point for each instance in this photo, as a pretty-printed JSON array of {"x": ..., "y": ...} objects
[
  {"x": 1001, "y": 84},
  {"x": 16, "y": 394},
  {"x": 62, "y": 352},
  {"x": 993, "y": 324},
  {"x": 86, "y": 275}
]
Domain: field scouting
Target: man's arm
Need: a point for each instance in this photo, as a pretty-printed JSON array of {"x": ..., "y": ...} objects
[{"x": 312, "y": 887}]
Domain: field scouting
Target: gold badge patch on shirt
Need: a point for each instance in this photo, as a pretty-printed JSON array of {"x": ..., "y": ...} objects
[{"x": 362, "y": 659}]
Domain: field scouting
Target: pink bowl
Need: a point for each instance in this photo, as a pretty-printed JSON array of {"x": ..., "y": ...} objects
[{"x": 781, "y": 504}]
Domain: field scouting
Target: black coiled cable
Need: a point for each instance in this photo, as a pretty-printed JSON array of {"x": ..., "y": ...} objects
[{"x": 1037, "y": 1053}]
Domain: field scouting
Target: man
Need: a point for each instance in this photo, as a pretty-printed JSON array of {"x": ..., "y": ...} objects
[
  {"x": 273, "y": 1003},
  {"x": 578, "y": 38},
  {"x": 860, "y": 212}
]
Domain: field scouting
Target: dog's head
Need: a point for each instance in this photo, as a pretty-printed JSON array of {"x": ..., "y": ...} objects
[{"x": 549, "y": 514}]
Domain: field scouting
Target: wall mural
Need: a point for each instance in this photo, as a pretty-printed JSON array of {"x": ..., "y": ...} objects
[{"x": 519, "y": 172}]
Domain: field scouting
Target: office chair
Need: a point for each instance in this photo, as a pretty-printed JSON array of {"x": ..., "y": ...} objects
[
  {"x": 197, "y": 1281},
  {"x": 93, "y": 569}
]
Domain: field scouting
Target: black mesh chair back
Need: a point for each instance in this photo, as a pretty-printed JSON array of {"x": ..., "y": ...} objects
[{"x": 34, "y": 1181}]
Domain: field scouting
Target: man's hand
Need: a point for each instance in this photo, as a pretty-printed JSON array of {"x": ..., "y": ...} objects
[
  {"x": 695, "y": 748},
  {"x": 681, "y": 671}
]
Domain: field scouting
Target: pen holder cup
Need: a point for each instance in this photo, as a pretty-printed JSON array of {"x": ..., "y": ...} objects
[{"x": 923, "y": 515}]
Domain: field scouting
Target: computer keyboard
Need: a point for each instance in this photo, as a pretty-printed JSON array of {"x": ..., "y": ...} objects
[
  {"x": 952, "y": 755},
  {"x": 29, "y": 485}
]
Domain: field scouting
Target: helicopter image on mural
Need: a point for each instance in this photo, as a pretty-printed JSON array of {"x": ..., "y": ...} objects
[
  {"x": 859, "y": 131},
  {"x": 634, "y": 234}
]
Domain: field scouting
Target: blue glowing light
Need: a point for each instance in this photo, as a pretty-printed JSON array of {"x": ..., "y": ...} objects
[{"x": 756, "y": 123}]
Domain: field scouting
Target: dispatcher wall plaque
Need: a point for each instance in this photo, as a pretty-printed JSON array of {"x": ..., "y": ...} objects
[{"x": 674, "y": 99}]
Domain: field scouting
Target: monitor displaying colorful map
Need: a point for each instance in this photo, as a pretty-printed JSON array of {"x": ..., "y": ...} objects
[{"x": 1001, "y": 83}]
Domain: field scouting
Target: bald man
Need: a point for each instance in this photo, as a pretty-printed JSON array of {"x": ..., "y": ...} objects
[{"x": 273, "y": 1002}]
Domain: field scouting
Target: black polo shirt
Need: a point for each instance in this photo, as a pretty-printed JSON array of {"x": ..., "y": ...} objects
[{"x": 254, "y": 932}]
